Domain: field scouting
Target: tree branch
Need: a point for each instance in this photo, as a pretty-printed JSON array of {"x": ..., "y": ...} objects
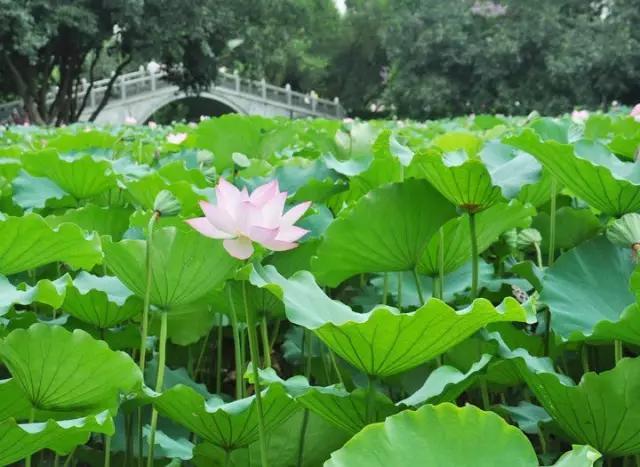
[
  {"x": 85, "y": 98},
  {"x": 107, "y": 93}
]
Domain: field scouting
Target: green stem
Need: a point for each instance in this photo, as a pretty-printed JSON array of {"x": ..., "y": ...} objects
[
  {"x": 203, "y": 348},
  {"x": 335, "y": 366},
  {"x": 538, "y": 254},
  {"x": 32, "y": 417},
  {"x": 227, "y": 458},
  {"x": 371, "y": 401},
  {"x": 436, "y": 288},
  {"x": 219, "y": 343},
  {"x": 236, "y": 344},
  {"x": 617, "y": 350},
  {"x": 400, "y": 276},
  {"x": 162, "y": 360},
  {"x": 69, "y": 458},
  {"x": 547, "y": 331},
  {"x": 441, "y": 263},
  {"x": 418, "y": 286},
  {"x": 584, "y": 358},
  {"x": 255, "y": 358},
  {"x": 306, "y": 351},
  {"x": 274, "y": 334},
  {"x": 266, "y": 348},
  {"x": 484, "y": 391},
  {"x": 475, "y": 260},
  {"x": 385, "y": 290},
  {"x": 552, "y": 222},
  {"x": 144, "y": 325},
  {"x": 107, "y": 451}
]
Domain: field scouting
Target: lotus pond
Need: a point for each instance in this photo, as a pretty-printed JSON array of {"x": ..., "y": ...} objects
[{"x": 253, "y": 292}]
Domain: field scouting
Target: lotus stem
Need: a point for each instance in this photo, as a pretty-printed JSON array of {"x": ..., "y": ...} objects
[
  {"x": 56, "y": 460},
  {"x": 441, "y": 264},
  {"x": 484, "y": 392},
  {"x": 538, "y": 254},
  {"x": 274, "y": 334},
  {"x": 306, "y": 355},
  {"x": 475, "y": 260},
  {"x": 255, "y": 358},
  {"x": 69, "y": 458},
  {"x": 203, "y": 349},
  {"x": 227, "y": 458},
  {"x": 400, "y": 276},
  {"x": 162, "y": 360},
  {"x": 547, "y": 331},
  {"x": 334, "y": 362},
  {"x": 107, "y": 451},
  {"x": 552, "y": 222},
  {"x": 385, "y": 289},
  {"x": 371, "y": 401},
  {"x": 416, "y": 278},
  {"x": 236, "y": 345},
  {"x": 617, "y": 350},
  {"x": 219, "y": 342},
  {"x": 32, "y": 417},
  {"x": 144, "y": 325},
  {"x": 584, "y": 358},
  {"x": 266, "y": 348}
]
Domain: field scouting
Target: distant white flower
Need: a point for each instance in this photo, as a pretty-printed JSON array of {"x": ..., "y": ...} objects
[
  {"x": 153, "y": 67},
  {"x": 193, "y": 125},
  {"x": 488, "y": 9},
  {"x": 129, "y": 120},
  {"x": 579, "y": 116},
  {"x": 204, "y": 118},
  {"x": 347, "y": 120},
  {"x": 176, "y": 138},
  {"x": 152, "y": 125},
  {"x": 635, "y": 112}
]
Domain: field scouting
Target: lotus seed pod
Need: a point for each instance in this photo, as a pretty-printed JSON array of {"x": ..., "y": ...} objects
[
  {"x": 528, "y": 237},
  {"x": 511, "y": 238},
  {"x": 625, "y": 231},
  {"x": 166, "y": 204}
]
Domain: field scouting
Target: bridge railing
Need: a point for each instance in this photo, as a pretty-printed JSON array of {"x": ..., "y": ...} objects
[{"x": 141, "y": 82}]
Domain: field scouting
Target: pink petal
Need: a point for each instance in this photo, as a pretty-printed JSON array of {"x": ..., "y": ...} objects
[
  {"x": 290, "y": 233},
  {"x": 262, "y": 235},
  {"x": 227, "y": 194},
  {"x": 278, "y": 245},
  {"x": 272, "y": 211},
  {"x": 295, "y": 213},
  {"x": 202, "y": 225},
  {"x": 219, "y": 218},
  {"x": 240, "y": 247},
  {"x": 264, "y": 193}
]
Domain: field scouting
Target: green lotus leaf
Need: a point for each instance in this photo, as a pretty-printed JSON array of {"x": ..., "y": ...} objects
[
  {"x": 101, "y": 301},
  {"x": 143, "y": 192},
  {"x": 587, "y": 291},
  {"x": 464, "y": 181},
  {"x": 457, "y": 141},
  {"x": 446, "y": 383},
  {"x": 573, "y": 226},
  {"x": 384, "y": 341},
  {"x": 184, "y": 265},
  {"x": 259, "y": 301},
  {"x": 526, "y": 415},
  {"x": 82, "y": 176},
  {"x": 433, "y": 436},
  {"x": 63, "y": 371},
  {"x": 83, "y": 141},
  {"x": 539, "y": 192},
  {"x": 579, "y": 456},
  {"x": 18, "y": 441},
  {"x": 39, "y": 192},
  {"x": 345, "y": 410},
  {"x": 602, "y": 410},
  {"x": 13, "y": 402},
  {"x": 48, "y": 292},
  {"x": 229, "y": 426},
  {"x": 29, "y": 242},
  {"x": 385, "y": 231},
  {"x": 490, "y": 224},
  {"x": 112, "y": 220},
  {"x": 589, "y": 171},
  {"x": 187, "y": 324}
]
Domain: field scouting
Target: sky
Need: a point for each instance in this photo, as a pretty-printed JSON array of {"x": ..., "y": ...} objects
[{"x": 340, "y": 5}]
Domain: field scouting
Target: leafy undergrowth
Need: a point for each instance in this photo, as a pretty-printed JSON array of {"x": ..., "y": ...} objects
[{"x": 458, "y": 292}]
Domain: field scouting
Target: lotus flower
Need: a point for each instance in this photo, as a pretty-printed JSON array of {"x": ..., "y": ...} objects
[
  {"x": 240, "y": 218},
  {"x": 176, "y": 138},
  {"x": 579, "y": 116},
  {"x": 129, "y": 120},
  {"x": 152, "y": 125},
  {"x": 635, "y": 112}
]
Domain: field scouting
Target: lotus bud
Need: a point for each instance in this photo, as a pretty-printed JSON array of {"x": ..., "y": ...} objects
[
  {"x": 511, "y": 238},
  {"x": 528, "y": 237},
  {"x": 166, "y": 204},
  {"x": 625, "y": 232}
]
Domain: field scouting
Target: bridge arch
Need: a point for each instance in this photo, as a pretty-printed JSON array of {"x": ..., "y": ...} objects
[{"x": 147, "y": 111}]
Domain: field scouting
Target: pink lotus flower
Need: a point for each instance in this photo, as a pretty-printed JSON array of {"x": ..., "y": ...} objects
[
  {"x": 635, "y": 112},
  {"x": 579, "y": 116},
  {"x": 176, "y": 138},
  {"x": 240, "y": 218},
  {"x": 129, "y": 120}
]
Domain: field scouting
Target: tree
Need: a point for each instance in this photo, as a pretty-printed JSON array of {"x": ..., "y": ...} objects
[{"x": 54, "y": 44}]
